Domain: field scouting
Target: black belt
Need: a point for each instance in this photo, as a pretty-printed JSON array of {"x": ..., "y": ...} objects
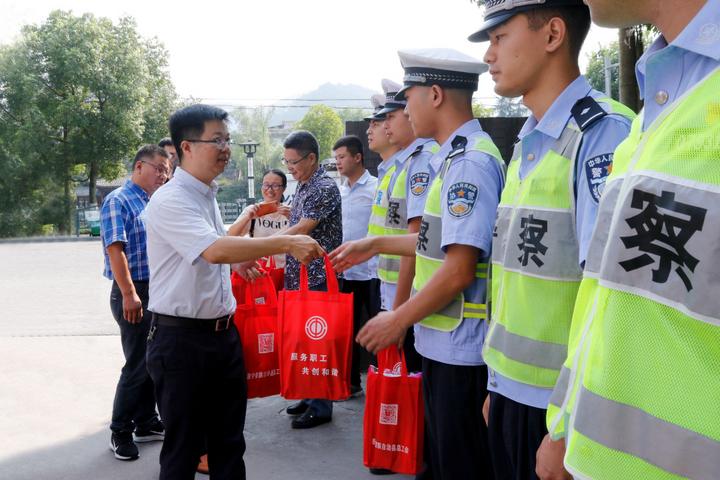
[{"x": 216, "y": 324}]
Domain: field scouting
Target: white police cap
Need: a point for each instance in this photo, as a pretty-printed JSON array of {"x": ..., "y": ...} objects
[
  {"x": 439, "y": 66},
  {"x": 391, "y": 89},
  {"x": 500, "y": 11},
  {"x": 378, "y": 103}
]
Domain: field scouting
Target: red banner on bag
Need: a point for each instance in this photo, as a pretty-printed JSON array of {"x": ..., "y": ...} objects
[
  {"x": 393, "y": 426},
  {"x": 256, "y": 321},
  {"x": 316, "y": 331}
]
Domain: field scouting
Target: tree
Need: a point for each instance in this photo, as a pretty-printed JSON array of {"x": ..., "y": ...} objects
[
  {"x": 481, "y": 111},
  {"x": 596, "y": 69},
  {"x": 353, "y": 114},
  {"x": 510, "y": 107},
  {"x": 325, "y": 124},
  {"x": 79, "y": 95}
]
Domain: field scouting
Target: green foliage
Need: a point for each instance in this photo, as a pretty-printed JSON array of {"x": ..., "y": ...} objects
[
  {"x": 596, "y": 69},
  {"x": 327, "y": 126},
  {"x": 353, "y": 114},
  {"x": 78, "y": 95},
  {"x": 480, "y": 111},
  {"x": 509, "y": 107}
]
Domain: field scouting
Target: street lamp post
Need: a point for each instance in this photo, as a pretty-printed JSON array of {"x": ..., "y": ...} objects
[{"x": 250, "y": 148}]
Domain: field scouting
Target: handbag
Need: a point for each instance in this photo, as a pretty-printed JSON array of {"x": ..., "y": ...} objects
[
  {"x": 393, "y": 423},
  {"x": 256, "y": 322},
  {"x": 316, "y": 330}
]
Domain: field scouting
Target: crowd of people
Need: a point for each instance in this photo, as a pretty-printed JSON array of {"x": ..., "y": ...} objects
[{"x": 561, "y": 308}]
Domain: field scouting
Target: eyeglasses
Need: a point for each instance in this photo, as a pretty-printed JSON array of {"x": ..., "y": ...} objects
[
  {"x": 159, "y": 171},
  {"x": 292, "y": 163},
  {"x": 272, "y": 186},
  {"x": 219, "y": 143}
]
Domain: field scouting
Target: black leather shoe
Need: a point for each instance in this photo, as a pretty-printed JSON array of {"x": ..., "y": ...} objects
[
  {"x": 381, "y": 471},
  {"x": 297, "y": 408},
  {"x": 309, "y": 420}
]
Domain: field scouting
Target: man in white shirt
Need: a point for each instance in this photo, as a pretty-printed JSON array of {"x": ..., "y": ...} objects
[
  {"x": 358, "y": 192},
  {"x": 194, "y": 355}
]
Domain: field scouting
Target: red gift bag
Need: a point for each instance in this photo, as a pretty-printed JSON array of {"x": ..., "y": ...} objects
[
  {"x": 256, "y": 321},
  {"x": 316, "y": 330},
  {"x": 277, "y": 274},
  {"x": 393, "y": 426}
]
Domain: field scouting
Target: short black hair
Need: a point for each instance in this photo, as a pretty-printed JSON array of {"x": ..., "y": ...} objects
[
  {"x": 577, "y": 22},
  {"x": 189, "y": 123},
  {"x": 304, "y": 142},
  {"x": 165, "y": 142},
  {"x": 279, "y": 173},
  {"x": 353, "y": 145},
  {"x": 149, "y": 151}
]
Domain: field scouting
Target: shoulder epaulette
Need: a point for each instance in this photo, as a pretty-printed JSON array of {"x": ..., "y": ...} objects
[
  {"x": 586, "y": 112},
  {"x": 458, "y": 146}
]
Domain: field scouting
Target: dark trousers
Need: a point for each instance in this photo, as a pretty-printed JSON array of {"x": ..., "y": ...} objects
[
  {"x": 134, "y": 404},
  {"x": 515, "y": 431},
  {"x": 201, "y": 387},
  {"x": 320, "y": 407},
  {"x": 457, "y": 434},
  {"x": 366, "y": 304}
]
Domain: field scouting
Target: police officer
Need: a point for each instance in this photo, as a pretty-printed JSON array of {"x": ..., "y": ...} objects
[
  {"x": 452, "y": 248},
  {"x": 546, "y": 214},
  {"x": 645, "y": 336},
  {"x": 405, "y": 205}
]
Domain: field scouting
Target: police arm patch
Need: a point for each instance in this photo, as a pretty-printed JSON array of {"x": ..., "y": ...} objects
[
  {"x": 461, "y": 199},
  {"x": 419, "y": 183},
  {"x": 597, "y": 170}
]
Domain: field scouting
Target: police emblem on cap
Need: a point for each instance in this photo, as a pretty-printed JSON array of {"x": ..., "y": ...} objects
[
  {"x": 461, "y": 199},
  {"x": 419, "y": 183},
  {"x": 597, "y": 170}
]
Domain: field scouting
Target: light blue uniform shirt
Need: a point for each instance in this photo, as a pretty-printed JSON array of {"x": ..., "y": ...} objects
[
  {"x": 598, "y": 144},
  {"x": 356, "y": 205},
  {"x": 481, "y": 172},
  {"x": 675, "y": 68},
  {"x": 419, "y": 169}
]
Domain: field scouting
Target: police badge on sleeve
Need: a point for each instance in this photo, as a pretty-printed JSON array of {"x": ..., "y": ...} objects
[
  {"x": 461, "y": 199},
  {"x": 597, "y": 170},
  {"x": 419, "y": 183}
]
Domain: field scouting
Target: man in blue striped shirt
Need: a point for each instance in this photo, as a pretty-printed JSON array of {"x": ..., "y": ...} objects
[{"x": 134, "y": 418}]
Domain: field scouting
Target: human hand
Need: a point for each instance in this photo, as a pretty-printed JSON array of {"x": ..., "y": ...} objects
[
  {"x": 305, "y": 249},
  {"x": 549, "y": 460},
  {"x": 284, "y": 210},
  {"x": 249, "y": 271},
  {"x": 132, "y": 308},
  {"x": 351, "y": 253},
  {"x": 250, "y": 211},
  {"x": 380, "y": 332},
  {"x": 486, "y": 409}
]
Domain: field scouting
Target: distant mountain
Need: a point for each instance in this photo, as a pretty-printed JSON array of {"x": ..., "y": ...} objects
[{"x": 333, "y": 95}]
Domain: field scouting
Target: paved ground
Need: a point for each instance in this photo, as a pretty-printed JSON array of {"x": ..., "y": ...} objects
[{"x": 61, "y": 358}]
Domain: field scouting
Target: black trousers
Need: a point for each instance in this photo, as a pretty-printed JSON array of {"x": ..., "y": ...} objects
[
  {"x": 516, "y": 431},
  {"x": 366, "y": 304},
  {"x": 201, "y": 387},
  {"x": 456, "y": 430},
  {"x": 134, "y": 404}
]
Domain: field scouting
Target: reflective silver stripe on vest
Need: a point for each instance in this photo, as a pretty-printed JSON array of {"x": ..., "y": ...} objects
[
  {"x": 396, "y": 217},
  {"x": 526, "y": 350},
  {"x": 561, "y": 386},
  {"x": 542, "y": 243},
  {"x": 377, "y": 220},
  {"x": 602, "y": 227},
  {"x": 429, "y": 247},
  {"x": 454, "y": 309},
  {"x": 389, "y": 264},
  {"x": 628, "y": 429},
  {"x": 663, "y": 244}
]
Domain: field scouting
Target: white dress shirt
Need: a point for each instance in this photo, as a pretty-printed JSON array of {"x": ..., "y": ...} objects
[
  {"x": 183, "y": 220},
  {"x": 356, "y": 204}
]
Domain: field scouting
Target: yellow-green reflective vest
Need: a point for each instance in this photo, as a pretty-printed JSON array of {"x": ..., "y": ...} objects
[
  {"x": 646, "y": 373},
  {"x": 535, "y": 266},
  {"x": 377, "y": 227},
  {"x": 429, "y": 254}
]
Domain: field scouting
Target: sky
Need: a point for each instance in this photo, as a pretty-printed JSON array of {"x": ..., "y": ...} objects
[{"x": 250, "y": 52}]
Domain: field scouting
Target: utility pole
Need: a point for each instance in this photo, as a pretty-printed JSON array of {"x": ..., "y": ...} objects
[{"x": 250, "y": 148}]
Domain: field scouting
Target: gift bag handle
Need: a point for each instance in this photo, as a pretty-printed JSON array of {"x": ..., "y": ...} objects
[
  {"x": 389, "y": 358},
  {"x": 330, "y": 277}
]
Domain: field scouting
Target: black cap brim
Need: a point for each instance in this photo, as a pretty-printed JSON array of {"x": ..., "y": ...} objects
[
  {"x": 400, "y": 96},
  {"x": 375, "y": 116},
  {"x": 482, "y": 34}
]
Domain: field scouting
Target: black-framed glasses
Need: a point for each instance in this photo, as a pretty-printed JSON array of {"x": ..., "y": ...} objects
[
  {"x": 272, "y": 186},
  {"x": 292, "y": 163},
  {"x": 219, "y": 143},
  {"x": 158, "y": 170}
]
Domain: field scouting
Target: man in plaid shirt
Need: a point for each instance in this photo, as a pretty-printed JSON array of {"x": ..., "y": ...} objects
[{"x": 134, "y": 418}]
